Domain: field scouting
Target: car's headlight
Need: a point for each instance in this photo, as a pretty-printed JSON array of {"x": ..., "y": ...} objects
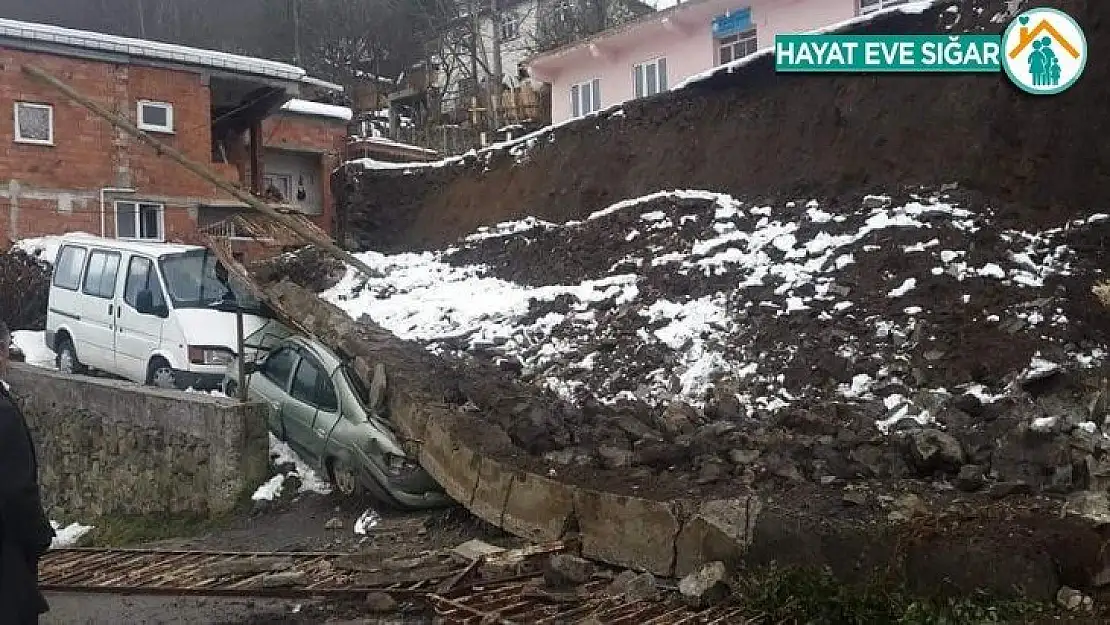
[
  {"x": 399, "y": 465},
  {"x": 201, "y": 355}
]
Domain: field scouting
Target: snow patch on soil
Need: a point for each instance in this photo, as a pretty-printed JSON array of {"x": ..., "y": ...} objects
[
  {"x": 281, "y": 454},
  {"x": 68, "y": 536},
  {"x": 694, "y": 287},
  {"x": 33, "y": 346}
]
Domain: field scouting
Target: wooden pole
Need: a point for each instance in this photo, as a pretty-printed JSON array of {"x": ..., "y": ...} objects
[{"x": 200, "y": 170}]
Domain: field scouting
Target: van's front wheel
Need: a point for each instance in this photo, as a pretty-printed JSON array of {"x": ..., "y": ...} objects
[{"x": 161, "y": 374}]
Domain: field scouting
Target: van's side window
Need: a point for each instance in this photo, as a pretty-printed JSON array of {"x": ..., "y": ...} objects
[
  {"x": 100, "y": 277},
  {"x": 67, "y": 275},
  {"x": 141, "y": 277}
]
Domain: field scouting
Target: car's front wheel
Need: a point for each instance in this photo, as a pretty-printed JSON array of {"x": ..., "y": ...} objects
[{"x": 344, "y": 478}]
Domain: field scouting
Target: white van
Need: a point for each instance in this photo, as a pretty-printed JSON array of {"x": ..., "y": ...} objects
[{"x": 152, "y": 313}]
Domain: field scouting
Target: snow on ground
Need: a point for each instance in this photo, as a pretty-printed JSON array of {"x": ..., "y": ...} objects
[
  {"x": 69, "y": 535},
  {"x": 744, "y": 288},
  {"x": 282, "y": 454},
  {"x": 33, "y": 346}
]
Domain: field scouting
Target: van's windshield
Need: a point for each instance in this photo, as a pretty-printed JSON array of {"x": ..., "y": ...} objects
[{"x": 196, "y": 279}]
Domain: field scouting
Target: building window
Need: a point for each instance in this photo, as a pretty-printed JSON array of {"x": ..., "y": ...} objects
[
  {"x": 34, "y": 123},
  {"x": 155, "y": 116},
  {"x": 736, "y": 46},
  {"x": 585, "y": 98},
  {"x": 867, "y": 6},
  {"x": 143, "y": 221},
  {"x": 510, "y": 25},
  {"x": 650, "y": 78},
  {"x": 278, "y": 186},
  {"x": 563, "y": 12}
]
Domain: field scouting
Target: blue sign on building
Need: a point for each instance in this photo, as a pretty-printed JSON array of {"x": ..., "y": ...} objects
[{"x": 732, "y": 22}]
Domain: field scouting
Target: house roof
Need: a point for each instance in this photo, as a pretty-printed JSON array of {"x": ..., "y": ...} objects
[{"x": 141, "y": 48}]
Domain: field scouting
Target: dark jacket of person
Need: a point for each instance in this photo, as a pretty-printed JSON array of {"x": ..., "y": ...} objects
[{"x": 25, "y": 532}]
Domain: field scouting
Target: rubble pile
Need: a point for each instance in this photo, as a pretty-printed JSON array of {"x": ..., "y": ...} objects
[{"x": 730, "y": 342}]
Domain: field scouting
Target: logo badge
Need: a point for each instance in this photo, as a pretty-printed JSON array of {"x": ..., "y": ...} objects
[{"x": 1044, "y": 51}]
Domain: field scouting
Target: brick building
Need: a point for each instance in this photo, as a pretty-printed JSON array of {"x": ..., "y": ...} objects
[{"x": 65, "y": 169}]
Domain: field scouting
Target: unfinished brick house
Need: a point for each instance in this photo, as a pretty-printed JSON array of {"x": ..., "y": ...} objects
[{"x": 64, "y": 169}]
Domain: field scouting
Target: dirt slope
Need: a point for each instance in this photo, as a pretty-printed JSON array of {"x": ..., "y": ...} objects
[{"x": 754, "y": 133}]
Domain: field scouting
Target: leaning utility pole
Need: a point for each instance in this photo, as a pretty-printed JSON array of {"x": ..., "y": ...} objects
[
  {"x": 496, "y": 81},
  {"x": 296, "y": 32},
  {"x": 142, "y": 20},
  {"x": 205, "y": 173},
  {"x": 475, "y": 32}
]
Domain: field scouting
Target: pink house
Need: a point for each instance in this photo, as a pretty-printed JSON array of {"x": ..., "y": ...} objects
[{"x": 645, "y": 57}]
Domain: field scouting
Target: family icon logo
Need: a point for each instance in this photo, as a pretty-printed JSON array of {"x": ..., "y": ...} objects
[{"x": 1045, "y": 51}]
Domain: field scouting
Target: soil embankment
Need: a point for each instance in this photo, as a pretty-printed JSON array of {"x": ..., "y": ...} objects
[{"x": 754, "y": 133}]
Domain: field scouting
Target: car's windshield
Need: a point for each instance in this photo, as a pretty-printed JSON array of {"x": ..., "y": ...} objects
[
  {"x": 357, "y": 387},
  {"x": 196, "y": 279}
]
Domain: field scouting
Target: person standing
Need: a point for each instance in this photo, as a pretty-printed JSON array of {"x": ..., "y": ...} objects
[{"x": 25, "y": 533}]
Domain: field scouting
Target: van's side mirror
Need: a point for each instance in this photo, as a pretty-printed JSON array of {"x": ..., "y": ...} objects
[{"x": 250, "y": 367}]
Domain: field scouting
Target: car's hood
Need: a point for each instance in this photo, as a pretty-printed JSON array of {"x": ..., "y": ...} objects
[{"x": 203, "y": 326}]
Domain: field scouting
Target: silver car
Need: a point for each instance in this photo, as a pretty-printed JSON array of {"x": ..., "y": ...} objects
[{"x": 319, "y": 406}]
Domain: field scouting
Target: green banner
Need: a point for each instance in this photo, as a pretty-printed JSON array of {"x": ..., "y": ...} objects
[{"x": 888, "y": 53}]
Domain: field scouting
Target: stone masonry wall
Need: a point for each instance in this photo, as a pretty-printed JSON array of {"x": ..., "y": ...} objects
[{"x": 108, "y": 448}]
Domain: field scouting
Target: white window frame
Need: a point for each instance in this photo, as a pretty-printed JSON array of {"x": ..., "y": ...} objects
[
  {"x": 33, "y": 105},
  {"x": 168, "y": 128},
  {"x": 750, "y": 35},
  {"x": 639, "y": 77},
  {"x": 870, "y": 6},
  {"x": 576, "y": 90},
  {"x": 138, "y": 204}
]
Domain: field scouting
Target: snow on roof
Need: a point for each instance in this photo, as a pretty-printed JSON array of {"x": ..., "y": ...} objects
[
  {"x": 390, "y": 143},
  {"x": 89, "y": 40},
  {"x": 317, "y": 109}
]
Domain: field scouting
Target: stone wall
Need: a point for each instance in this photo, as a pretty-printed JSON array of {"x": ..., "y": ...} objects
[{"x": 108, "y": 447}]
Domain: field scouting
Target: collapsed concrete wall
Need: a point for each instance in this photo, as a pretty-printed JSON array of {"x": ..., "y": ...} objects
[
  {"x": 925, "y": 538},
  {"x": 108, "y": 447},
  {"x": 754, "y": 133}
]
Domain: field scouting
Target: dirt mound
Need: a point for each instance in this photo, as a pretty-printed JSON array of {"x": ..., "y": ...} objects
[
  {"x": 28, "y": 277},
  {"x": 754, "y": 132},
  {"x": 699, "y": 339}
]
